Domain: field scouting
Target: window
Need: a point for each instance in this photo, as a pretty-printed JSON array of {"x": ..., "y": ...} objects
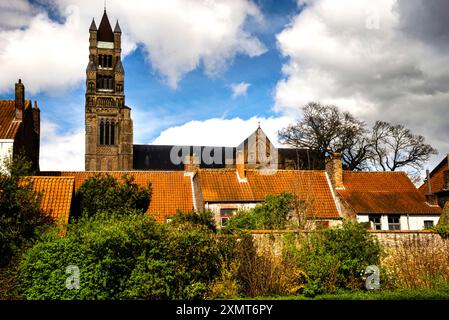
[
  {"x": 107, "y": 132},
  {"x": 428, "y": 224},
  {"x": 226, "y": 214},
  {"x": 105, "y": 61},
  {"x": 375, "y": 220},
  {"x": 394, "y": 222},
  {"x": 105, "y": 83}
]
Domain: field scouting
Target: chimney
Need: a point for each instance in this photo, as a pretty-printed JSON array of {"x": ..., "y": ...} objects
[
  {"x": 20, "y": 100},
  {"x": 334, "y": 169},
  {"x": 240, "y": 165},
  {"x": 191, "y": 163}
]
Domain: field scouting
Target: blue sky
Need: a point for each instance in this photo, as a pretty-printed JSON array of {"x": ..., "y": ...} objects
[{"x": 184, "y": 57}]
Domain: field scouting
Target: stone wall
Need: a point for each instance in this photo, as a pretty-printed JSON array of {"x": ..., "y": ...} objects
[{"x": 274, "y": 240}]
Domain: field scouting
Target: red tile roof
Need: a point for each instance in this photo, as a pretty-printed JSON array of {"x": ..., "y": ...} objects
[
  {"x": 383, "y": 192},
  {"x": 8, "y": 124},
  {"x": 310, "y": 186},
  {"x": 172, "y": 190},
  {"x": 56, "y": 195}
]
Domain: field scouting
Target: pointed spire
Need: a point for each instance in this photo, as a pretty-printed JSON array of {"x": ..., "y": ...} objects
[
  {"x": 93, "y": 26},
  {"x": 117, "y": 28},
  {"x": 104, "y": 30}
]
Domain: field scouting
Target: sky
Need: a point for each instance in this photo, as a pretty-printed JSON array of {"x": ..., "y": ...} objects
[{"x": 205, "y": 72}]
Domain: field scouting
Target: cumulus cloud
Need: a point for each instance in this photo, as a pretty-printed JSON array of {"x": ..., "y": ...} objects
[
  {"x": 61, "y": 151},
  {"x": 239, "y": 89},
  {"x": 380, "y": 60},
  {"x": 177, "y": 35},
  {"x": 221, "y": 132}
]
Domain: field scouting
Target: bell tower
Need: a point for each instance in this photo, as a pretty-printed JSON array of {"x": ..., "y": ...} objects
[{"x": 109, "y": 128}]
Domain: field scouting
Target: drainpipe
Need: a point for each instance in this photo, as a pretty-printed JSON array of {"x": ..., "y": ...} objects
[{"x": 408, "y": 221}]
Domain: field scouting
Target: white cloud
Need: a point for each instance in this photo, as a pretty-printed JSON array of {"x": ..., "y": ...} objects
[
  {"x": 239, "y": 89},
  {"x": 178, "y": 35},
  {"x": 61, "y": 151},
  {"x": 372, "y": 59},
  {"x": 221, "y": 132}
]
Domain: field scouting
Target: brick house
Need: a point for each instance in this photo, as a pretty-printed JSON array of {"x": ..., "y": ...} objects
[
  {"x": 436, "y": 185},
  {"x": 20, "y": 127}
]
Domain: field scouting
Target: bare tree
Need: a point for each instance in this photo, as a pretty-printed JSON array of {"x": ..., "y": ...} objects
[
  {"x": 395, "y": 146},
  {"x": 325, "y": 129}
]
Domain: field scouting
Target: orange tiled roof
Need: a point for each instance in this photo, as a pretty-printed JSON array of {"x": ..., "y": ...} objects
[
  {"x": 172, "y": 191},
  {"x": 383, "y": 192},
  {"x": 310, "y": 186},
  {"x": 56, "y": 195},
  {"x": 8, "y": 124}
]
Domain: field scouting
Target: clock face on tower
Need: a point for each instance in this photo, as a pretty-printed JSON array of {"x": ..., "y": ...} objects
[{"x": 108, "y": 124}]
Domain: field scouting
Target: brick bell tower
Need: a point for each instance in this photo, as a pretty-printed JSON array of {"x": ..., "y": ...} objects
[{"x": 109, "y": 128}]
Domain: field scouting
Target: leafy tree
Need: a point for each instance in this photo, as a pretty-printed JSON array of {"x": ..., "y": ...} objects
[
  {"x": 337, "y": 258},
  {"x": 122, "y": 256},
  {"x": 204, "y": 218},
  {"x": 103, "y": 192},
  {"x": 21, "y": 218},
  {"x": 271, "y": 214}
]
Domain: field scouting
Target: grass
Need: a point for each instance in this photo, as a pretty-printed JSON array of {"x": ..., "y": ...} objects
[{"x": 398, "y": 294}]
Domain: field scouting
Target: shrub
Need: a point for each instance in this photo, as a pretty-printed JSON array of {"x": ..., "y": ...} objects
[
  {"x": 262, "y": 273},
  {"x": 104, "y": 193},
  {"x": 21, "y": 218},
  {"x": 442, "y": 230},
  {"x": 271, "y": 214},
  {"x": 122, "y": 256},
  {"x": 337, "y": 258},
  {"x": 204, "y": 218},
  {"x": 419, "y": 264}
]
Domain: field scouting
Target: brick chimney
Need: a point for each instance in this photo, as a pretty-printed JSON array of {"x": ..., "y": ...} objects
[
  {"x": 191, "y": 163},
  {"x": 334, "y": 169},
  {"x": 240, "y": 165},
  {"x": 20, "y": 100}
]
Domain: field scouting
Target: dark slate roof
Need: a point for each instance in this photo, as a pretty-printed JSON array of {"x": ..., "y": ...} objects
[
  {"x": 157, "y": 157},
  {"x": 93, "y": 26},
  {"x": 117, "y": 28},
  {"x": 104, "y": 30}
]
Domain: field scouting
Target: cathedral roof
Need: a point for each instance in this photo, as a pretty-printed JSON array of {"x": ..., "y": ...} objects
[
  {"x": 117, "y": 28},
  {"x": 104, "y": 30},
  {"x": 93, "y": 26}
]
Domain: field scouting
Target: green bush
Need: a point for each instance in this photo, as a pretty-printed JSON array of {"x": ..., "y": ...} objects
[
  {"x": 21, "y": 218},
  {"x": 442, "y": 230},
  {"x": 337, "y": 258},
  {"x": 122, "y": 257},
  {"x": 205, "y": 218},
  {"x": 103, "y": 192},
  {"x": 270, "y": 214}
]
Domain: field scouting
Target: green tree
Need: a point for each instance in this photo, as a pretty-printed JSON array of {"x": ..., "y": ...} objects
[
  {"x": 337, "y": 258},
  {"x": 105, "y": 193},
  {"x": 271, "y": 214},
  {"x": 21, "y": 218}
]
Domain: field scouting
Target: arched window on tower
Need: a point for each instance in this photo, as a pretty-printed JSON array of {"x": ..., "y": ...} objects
[
  {"x": 107, "y": 132},
  {"x": 112, "y": 133},
  {"x": 102, "y": 132}
]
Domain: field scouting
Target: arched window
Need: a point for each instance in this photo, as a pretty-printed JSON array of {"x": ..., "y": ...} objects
[
  {"x": 102, "y": 132},
  {"x": 107, "y": 132},
  {"x": 112, "y": 133}
]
